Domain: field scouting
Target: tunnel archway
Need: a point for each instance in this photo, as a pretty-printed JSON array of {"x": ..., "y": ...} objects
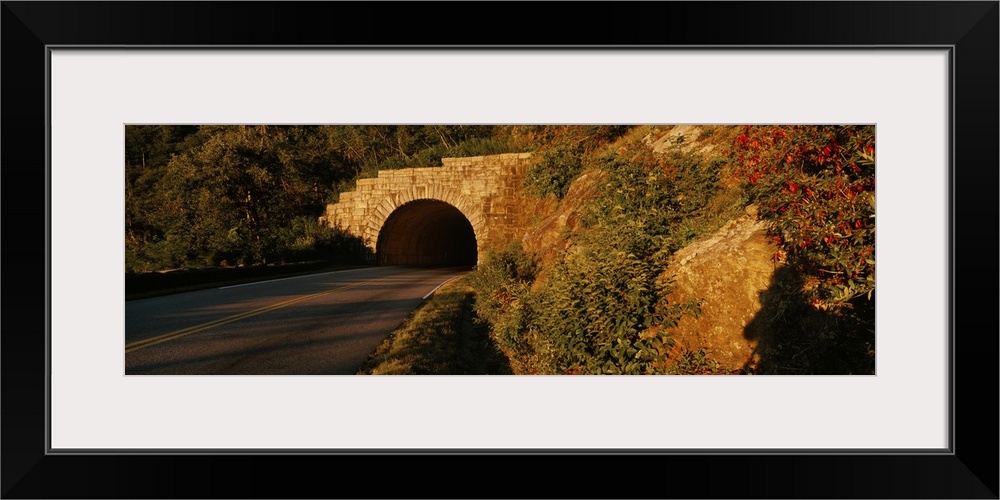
[{"x": 427, "y": 233}]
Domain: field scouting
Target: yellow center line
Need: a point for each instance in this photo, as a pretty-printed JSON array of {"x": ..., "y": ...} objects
[{"x": 159, "y": 339}]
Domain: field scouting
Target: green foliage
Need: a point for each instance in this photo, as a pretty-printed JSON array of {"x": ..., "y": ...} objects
[
  {"x": 509, "y": 263},
  {"x": 554, "y": 171},
  {"x": 431, "y": 156},
  {"x": 816, "y": 186},
  {"x": 502, "y": 277},
  {"x": 696, "y": 363},
  {"x": 307, "y": 240},
  {"x": 424, "y": 146},
  {"x": 561, "y": 156},
  {"x": 600, "y": 311},
  {"x": 482, "y": 146},
  {"x": 607, "y": 133},
  {"x": 600, "y": 308},
  {"x": 656, "y": 202},
  {"x": 589, "y": 137},
  {"x": 148, "y": 149},
  {"x": 238, "y": 195}
]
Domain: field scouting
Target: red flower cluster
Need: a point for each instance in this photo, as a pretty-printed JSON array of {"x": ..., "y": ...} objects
[{"x": 816, "y": 184}]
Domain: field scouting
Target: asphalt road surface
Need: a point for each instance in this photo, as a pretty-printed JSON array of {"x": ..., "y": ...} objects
[{"x": 320, "y": 324}]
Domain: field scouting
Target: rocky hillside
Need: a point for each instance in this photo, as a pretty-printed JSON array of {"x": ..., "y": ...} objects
[
  {"x": 726, "y": 271},
  {"x": 722, "y": 296}
]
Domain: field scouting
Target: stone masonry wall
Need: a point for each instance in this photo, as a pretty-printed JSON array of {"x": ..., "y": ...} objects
[{"x": 487, "y": 189}]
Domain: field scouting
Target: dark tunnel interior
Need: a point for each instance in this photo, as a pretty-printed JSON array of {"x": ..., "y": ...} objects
[{"x": 427, "y": 233}]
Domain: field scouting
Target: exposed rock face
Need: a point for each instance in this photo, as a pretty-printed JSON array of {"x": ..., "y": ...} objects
[
  {"x": 728, "y": 270},
  {"x": 549, "y": 230},
  {"x": 684, "y": 137}
]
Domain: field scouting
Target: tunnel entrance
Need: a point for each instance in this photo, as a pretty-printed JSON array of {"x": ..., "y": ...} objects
[{"x": 426, "y": 233}]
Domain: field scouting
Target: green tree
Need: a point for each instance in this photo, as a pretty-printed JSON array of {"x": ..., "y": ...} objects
[
  {"x": 148, "y": 149},
  {"x": 233, "y": 198}
]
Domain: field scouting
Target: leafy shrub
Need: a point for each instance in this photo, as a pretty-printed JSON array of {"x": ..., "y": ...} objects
[
  {"x": 554, "y": 171},
  {"x": 502, "y": 278},
  {"x": 696, "y": 363},
  {"x": 395, "y": 162},
  {"x": 600, "y": 311},
  {"x": 310, "y": 240},
  {"x": 600, "y": 307},
  {"x": 816, "y": 186},
  {"x": 658, "y": 201}
]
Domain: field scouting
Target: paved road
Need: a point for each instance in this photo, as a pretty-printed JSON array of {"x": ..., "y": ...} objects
[{"x": 327, "y": 323}]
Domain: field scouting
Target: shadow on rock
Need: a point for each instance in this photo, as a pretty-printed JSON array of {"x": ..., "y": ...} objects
[{"x": 794, "y": 338}]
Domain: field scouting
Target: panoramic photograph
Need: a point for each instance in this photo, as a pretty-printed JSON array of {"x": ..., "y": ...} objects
[{"x": 687, "y": 249}]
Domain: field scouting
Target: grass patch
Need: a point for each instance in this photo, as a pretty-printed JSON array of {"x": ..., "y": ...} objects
[{"x": 441, "y": 337}]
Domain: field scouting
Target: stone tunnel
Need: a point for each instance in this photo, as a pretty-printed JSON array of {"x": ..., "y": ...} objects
[
  {"x": 427, "y": 232},
  {"x": 437, "y": 216}
]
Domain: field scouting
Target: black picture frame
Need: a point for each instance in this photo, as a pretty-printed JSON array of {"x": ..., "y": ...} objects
[{"x": 970, "y": 29}]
